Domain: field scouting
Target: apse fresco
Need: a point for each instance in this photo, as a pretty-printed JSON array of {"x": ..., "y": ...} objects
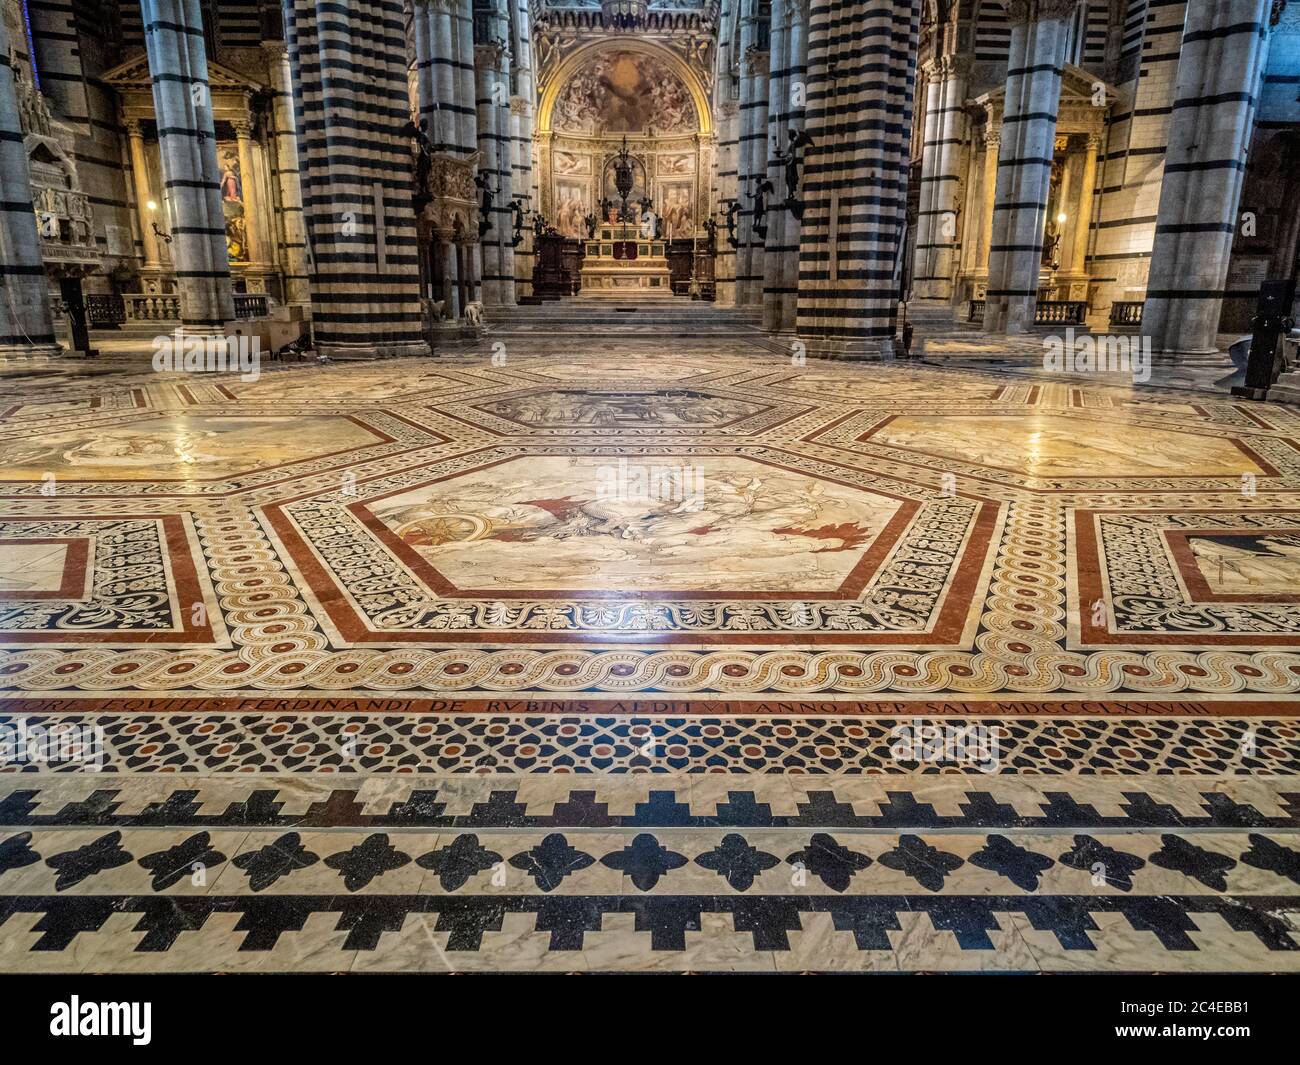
[{"x": 625, "y": 92}]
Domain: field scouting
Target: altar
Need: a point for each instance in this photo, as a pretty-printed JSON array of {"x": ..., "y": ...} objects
[{"x": 621, "y": 263}]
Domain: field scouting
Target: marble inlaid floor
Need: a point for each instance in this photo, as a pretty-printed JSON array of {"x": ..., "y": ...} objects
[{"x": 570, "y": 660}]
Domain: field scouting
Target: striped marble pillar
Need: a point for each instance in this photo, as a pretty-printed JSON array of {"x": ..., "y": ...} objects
[
  {"x": 182, "y": 101},
  {"x": 521, "y": 169},
  {"x": 58, "y": 57},
  {"x": 521, "y": 139},
  {"x": 462, "y": 28},
  {"x": 861, "y": 81},
  {"x": 26, "y": 325},
  {"x": 726, "y": 165},
  {"x": 1224, "y": 48},
  {"x": 444, "y": 55},
  {"x": 752, "y": 151},
  {"x": 350, "y": 104},
  {"x": 941, "y": 168},
  {"x": 292, "y": 238},
  {"x": 492, "y": 65},
  {"x": 1039, "y": 35},
  {"x": 786, "y": 108}
]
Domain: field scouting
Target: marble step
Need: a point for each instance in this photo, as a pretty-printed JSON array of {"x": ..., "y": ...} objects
[{"x": 1287, "y": 389}]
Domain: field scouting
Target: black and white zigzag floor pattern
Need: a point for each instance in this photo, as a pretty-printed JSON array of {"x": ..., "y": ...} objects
[{"x": 624, "y": 873}]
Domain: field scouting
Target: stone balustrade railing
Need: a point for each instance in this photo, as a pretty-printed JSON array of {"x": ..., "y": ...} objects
[
  {"x": 150, "y": 307},
  {"x": 251, "y": 305},
  {"x": 1046, "y": 312},
  {"x": 1126, "y": 313}
]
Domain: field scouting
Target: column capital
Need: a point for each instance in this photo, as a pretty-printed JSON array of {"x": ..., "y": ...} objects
[
  {"x": 992, "y": 137},
  {"x": 134, "y": 128},
  {"x": 490, "y": 55},
  {"x": 946, "y": 67},
  {"x": 243, "y": 128},
  {"x": 1039, "y": 10},
  {"x": 790, "y": 11},
  {"x": 276, "y": 50},
  {"x": 1093, "y": 141}
]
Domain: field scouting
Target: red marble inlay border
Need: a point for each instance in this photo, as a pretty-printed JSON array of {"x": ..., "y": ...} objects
[
  {"x": 1088, "y": 562},
  {"x": 184, "y": 583},
  {"x": 1196, "y": 583},
  {"x": 73, "y": 582}
]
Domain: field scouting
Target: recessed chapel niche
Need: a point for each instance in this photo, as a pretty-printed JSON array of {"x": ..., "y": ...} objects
[{"x": 636, "y": 90}]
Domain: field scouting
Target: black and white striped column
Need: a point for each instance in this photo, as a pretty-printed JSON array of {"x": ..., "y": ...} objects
[
  {"x": 444, "y": 55},
  {"x": 1220, "y": 66},
  {"x": 182, "y": 100},
  {"x": 26, "y": 325},
  {"x": 725, "y": 164},
  {"x": 58, "y": 57},
  {"x": 292, "y": 238},
  {"x": 521, "y": 140},
  {"x": 492, "y": 66},
  {"x": 786, "y": 110},
  {"x": 751, "y": 150},
  {"x": 941, "y": 169},
  {"x": 1039, "y": 36},
  {"x": 350, "y": 107},
  {"x": 861, "y": 75}
]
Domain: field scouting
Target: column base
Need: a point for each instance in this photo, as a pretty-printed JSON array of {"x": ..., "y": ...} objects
[
  {"x": 932, "y": 290},
  {"x": 777, "y": 324},
  {"x": 1211, "y": 357},
  {"x": 202, "y": 330},
  {"x": 454, "y": 330},
  {"x": 850, "y": 349},
  {"x": 370, "y": 352},
  {"x": 1287, "y": 389},
  {"x": 31, "y": 351},
  {"x": 1009, "y": 317}
]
